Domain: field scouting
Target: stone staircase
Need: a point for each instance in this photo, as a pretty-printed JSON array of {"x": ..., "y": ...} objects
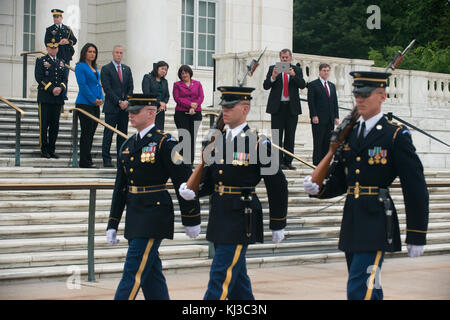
[{"x": 43, "y": 234}]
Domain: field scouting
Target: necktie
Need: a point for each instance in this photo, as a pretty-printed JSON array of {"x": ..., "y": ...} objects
[
  {"x": 285, "y": 85},
  {"x": 119, "y": 72},
  {"x": 361, "y": 134},
  {"x": 138, "y": 138},
  {"x": 326, "y": 89}
]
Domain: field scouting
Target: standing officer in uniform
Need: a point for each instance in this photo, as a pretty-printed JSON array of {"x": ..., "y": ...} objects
[
  {"x": 145, "y": 164},
  {"x": 235, "y": 218},
  {"x": 375, "y": 152},
  {"x": 64, "y": 36},
  {"x": 51, "y": 76}
]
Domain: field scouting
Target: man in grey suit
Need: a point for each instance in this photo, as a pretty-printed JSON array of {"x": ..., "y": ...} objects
[{"x": 117, "y": 82}]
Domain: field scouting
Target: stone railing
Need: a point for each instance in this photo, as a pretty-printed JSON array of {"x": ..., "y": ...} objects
[{"x": 421, "y": 98}]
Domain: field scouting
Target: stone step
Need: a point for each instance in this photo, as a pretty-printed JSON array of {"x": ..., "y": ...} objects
[
  {"x": 187, "y": 265},
  {"x": 438, "y": 223},
  {"x": 113, "y": 254}
]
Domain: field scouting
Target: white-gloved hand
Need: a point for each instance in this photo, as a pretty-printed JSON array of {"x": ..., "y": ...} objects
[
  {"x": 310, "y": 187},
  {"x": 111, "y": 236},
  {"x": 186, "y": 193},
  {"x": 414, "y": 250},
  {"x": 192, "y": 232},
  {"x": 277, "y": 235}
]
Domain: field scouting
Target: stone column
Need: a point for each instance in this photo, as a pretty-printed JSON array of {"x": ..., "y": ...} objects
[{"x": 153, "y": 34}]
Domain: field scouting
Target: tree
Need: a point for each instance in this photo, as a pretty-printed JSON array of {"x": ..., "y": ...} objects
[{"x": 338, "y": 28}]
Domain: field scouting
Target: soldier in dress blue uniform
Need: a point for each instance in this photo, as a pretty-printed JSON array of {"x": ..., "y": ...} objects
[
  {"x": 51, "y": 76},
  {"x": 235, "y": 218},
  {"x": 146, "y": 162},
  {"x": 64, "y": 36},
  {"x": 373, "y": 155}
]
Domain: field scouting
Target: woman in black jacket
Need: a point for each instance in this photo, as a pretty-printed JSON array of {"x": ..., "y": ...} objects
[{"x": 156, "y": 83}]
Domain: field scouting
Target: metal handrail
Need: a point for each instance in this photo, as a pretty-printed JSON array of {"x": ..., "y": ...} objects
[
  {"x": 19, "y": 114},
  {"x": 25, "y": 71},
  {"x": 75, "y": 132},
  {"x": 92, "y": 187}
]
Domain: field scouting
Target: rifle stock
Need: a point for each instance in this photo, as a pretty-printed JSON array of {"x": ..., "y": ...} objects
[
  {"x": 337, "y": 138},
  {"x": 195, "y": 179}
]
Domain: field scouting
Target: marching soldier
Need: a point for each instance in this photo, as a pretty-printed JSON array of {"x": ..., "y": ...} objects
[
  {"x": 64, "y": 36},
  {"x": 145, "y": 164},
  {"x": 375, "y": 152},
  {"x": 51, "y": 76},
  {"x": 235, "y": 218}
]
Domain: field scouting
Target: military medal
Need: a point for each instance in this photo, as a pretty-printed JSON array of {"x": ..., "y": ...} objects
[
  {"x": 246, "y": 157},
  {"x": 152, "y": 154},
  {"x": 235, "y": 159},
  {"x": 377, "y": 154},
  {"x": 383, "y": 156},
  {"x": 371, "y": 154}
]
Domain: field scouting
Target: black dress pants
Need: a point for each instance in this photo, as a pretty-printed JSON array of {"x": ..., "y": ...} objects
[
  {"x": 119, "y": 119},
  {"x": 286, "y": 123},
  {"x": 88, "y": 127},
  {"x": 159, "y": 120},
  {"x": 49, "y": 115},
  {"x": 187, "y": 122},
  {"x": 321, "y": 140}
]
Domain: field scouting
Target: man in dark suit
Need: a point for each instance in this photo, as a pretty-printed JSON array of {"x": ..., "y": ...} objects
[
  {"x": 52, "y": 84},
  {"x": 117, "y": 82},
  {"x": 284, "y": 104},
  {"x": 323, "y": 111}
]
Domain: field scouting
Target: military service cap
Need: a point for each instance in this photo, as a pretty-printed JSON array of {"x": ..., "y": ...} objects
[
  {"x": 232, "y": 95},
  {"x": 367, "y": 81},
  {"x": 57, "y": 12},
  {"x": 138, "y": 100},
  {"x": 52, "y": 43}
]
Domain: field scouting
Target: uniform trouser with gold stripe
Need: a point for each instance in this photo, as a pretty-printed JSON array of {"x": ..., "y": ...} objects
[
  {"x": 49, "y": 115},
  {"x": 364, "y": 270},
  {"x": 228, "y": 276},
  {"x": 142, "y": 269}
]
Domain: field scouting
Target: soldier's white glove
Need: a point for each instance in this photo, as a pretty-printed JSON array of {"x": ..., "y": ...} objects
[
  {"x": 310, "y": 187},
  {"x": 111, "y": 236},
  {"x": 277, "y": 235},
  {"x": 414, "y": 250},
  {"x": 186, "y": 193},
  {"x": 192, "y": 232}
]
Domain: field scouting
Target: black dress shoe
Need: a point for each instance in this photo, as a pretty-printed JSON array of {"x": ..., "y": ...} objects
[
  {"x": 290, "y": 166},
  {"x": 108, "y": 165},
  {"x": 54, "y": 155},
  {"x": 284, "y": 167},
  {"x": 45, "y": 155}
]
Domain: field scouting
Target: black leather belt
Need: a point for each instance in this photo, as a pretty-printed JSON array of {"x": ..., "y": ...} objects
[
  {"x": 230, "y": 190},
  {"x": 363, "y": 191},
  {"x": 146, "y": 189}
]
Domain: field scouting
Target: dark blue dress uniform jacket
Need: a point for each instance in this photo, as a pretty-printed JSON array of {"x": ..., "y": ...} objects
[
  {"x": 50, "y": 74},
  {"x": 363, "y": 226},
  {"x": 227, "y": 222},
  {"x": 150, "y": 215},
  {"x": 66, "y": 51}
]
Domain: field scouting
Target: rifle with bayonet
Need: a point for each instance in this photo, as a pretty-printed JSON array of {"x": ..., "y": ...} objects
[
  {"x": 251, "y": 68},
  {"x": 325, "y": 168}
]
